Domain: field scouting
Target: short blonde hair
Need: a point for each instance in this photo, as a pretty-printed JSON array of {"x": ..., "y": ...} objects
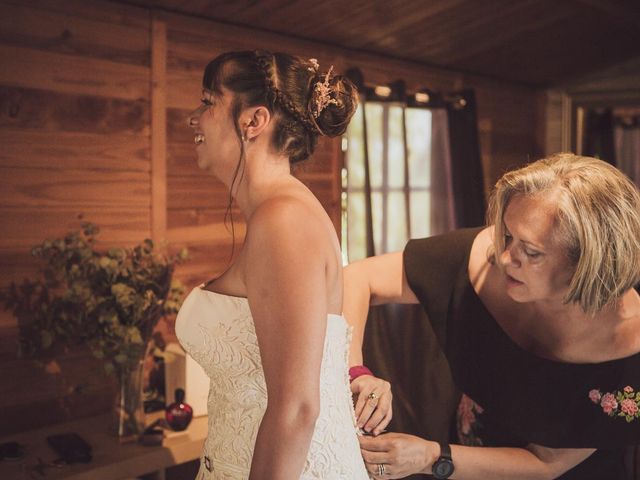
[{"x": 597, "y": 220}]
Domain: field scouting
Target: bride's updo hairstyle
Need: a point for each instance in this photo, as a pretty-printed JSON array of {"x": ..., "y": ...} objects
[{"x": 304, "y": 101}]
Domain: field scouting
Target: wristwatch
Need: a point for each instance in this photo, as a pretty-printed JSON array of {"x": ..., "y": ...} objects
[{"x": 443, "y": 466}]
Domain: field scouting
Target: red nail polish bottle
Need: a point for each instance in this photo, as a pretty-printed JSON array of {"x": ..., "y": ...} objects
[{"x": 179, "y": 413}]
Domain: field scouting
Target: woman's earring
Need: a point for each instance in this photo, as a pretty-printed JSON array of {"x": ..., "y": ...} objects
[{"x": 192, "y": 122}]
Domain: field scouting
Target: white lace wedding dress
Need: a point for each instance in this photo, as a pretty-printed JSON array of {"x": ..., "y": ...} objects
[{"x": 217, "y": 331}]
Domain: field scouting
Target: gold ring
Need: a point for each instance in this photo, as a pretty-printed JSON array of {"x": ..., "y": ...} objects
[{"x": 372, "y": 396}]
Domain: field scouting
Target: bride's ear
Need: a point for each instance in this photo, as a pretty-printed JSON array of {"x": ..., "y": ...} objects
[{"x": 255, "y": 121}]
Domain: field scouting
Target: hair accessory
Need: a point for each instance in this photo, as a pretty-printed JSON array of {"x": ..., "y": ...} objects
[
  {"x": 322, "y": 95},
  {"x": 315, "y": 66}
]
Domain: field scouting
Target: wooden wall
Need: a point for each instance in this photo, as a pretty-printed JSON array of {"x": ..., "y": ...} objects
[{"x": 94, "y": 98}]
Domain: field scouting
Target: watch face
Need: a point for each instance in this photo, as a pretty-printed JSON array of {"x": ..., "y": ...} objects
[{"x": 443, "y": 468}]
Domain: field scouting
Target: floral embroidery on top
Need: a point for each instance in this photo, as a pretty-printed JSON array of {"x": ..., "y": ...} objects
[
  {"x": 621, "y": 403},
  {"x": 468, "y": 424}
]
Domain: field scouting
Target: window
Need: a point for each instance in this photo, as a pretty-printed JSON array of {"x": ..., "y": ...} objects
[{"x": 400, "y": 200}]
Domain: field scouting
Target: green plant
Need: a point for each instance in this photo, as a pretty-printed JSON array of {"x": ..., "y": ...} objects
[{"x": 109, "y": 301}]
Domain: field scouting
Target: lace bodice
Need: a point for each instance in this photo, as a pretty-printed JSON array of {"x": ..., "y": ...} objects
[{"x": 218, "y": 332}]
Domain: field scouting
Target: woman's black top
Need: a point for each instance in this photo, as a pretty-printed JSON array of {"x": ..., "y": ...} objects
[{"x": 525, "y": 398}]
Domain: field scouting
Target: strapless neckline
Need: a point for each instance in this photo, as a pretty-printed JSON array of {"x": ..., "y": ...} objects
[{"x": 245, "y": 300}]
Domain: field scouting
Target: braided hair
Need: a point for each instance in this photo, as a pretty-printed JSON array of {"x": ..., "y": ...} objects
[{"x": 285, "y": 85}]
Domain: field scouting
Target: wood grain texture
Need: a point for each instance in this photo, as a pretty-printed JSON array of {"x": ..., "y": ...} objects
[
  {"x": 31, "y": 109},
  {"x": 82, "y": 101},
  {"x": 25, "y": 228},
  {"x": 67, "y": 150},
  {"x": 501, "y": 39},
  {"x": 110, "y": 13},
  {"x": 39, "y": 28},
  {"x": 158, "y": 129},
  {"x": 25, "y": 67},
  {"x": 27, "y": 187},
  {"x": 75, "y": 134}
]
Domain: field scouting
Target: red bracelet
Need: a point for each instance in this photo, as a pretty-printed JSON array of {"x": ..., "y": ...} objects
[{"x": 358, "y": 370}]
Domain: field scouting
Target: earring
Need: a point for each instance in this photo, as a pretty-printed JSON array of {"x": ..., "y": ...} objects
[{"x": 192, "y": 122}]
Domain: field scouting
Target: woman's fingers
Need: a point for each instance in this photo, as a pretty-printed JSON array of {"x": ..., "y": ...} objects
[
  {"x": 381, "y": 471},
  {"x": 379, "y": 464},
  {"x": 373, "y": 403},
  {"x": 394, "y": 455},
  {"x": 380, "y": 417},
  {"x": 362, "y": 387}
]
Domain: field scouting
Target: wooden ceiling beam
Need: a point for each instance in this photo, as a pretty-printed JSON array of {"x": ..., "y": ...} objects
[{"x": 621, "y": 11}]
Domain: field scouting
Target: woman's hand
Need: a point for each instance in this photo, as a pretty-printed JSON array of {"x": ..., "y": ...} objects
[
  {"x": 396, "y": 455},
  {"x": 373, "y": 403}
]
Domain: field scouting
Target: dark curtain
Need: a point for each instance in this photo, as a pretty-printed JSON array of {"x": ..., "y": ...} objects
[
  {"x": 626, "y": 133},
  {"x": 399, "y": 343},
  {"x": 598, "y": 135},
  {"x": 466, "y": 164}
]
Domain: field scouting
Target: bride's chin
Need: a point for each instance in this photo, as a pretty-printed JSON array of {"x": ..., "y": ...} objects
[{"x": 203, "y": 164}]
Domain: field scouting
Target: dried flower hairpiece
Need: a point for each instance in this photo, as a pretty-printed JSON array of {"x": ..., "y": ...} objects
[
  {"x": 315, "y": 66},
  {"x": 322, "y": 95}
]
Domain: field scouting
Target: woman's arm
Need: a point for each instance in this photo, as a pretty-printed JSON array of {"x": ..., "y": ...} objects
[
  {"x": 404, "y": 455},
  {"x": 376, "y": 280},
  {"x": 373, "y": 281},
  {"x": 286, "y": 286}
]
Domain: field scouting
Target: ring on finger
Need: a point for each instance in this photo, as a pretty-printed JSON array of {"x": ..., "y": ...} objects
[
  {"x": 373, "y": 398},
  {"x": 381, "y": 469}
]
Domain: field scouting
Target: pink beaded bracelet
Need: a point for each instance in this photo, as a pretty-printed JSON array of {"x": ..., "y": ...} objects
[{"x": 358, "y": 370}]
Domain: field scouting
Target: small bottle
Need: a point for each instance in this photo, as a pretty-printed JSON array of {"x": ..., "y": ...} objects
[{"x": 179, "y": 413}]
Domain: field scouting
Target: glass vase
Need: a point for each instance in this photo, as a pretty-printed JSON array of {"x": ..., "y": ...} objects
[{"x": 128, "y": 411}]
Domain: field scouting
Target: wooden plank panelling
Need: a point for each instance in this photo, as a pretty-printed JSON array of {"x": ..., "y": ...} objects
[
  {"x": 28, "y": 187},
  {"x": 74, "y": 130},
  {"x": 69, "y": 112},
  {"x": 64, "y": 73},
  {"x": 107, "y": 12},
  {"x": 191, "y": 191},
  {"x": 25, "y": 228},
  {"x": 501, "y": 39},
  {"x": 94, "y": 100},
  {"x": 158, "y": 129},
  {"x": 57, "y": 32},
  {"x": 90, "y": 151}
]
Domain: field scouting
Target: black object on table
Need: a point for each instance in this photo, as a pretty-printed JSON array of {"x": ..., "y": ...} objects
[{"x": 71, "y": 447}]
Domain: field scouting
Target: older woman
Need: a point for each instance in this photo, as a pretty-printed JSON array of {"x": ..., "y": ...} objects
[{"x": 538, "y": 317}]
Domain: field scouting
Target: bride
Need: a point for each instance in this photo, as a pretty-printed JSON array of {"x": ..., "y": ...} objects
[{"x": 269, "y": 331}]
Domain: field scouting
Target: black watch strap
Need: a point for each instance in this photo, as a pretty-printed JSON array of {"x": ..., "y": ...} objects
[
  {"x": 443, "y": 467},
  {"x": 445, "y": 450}
]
